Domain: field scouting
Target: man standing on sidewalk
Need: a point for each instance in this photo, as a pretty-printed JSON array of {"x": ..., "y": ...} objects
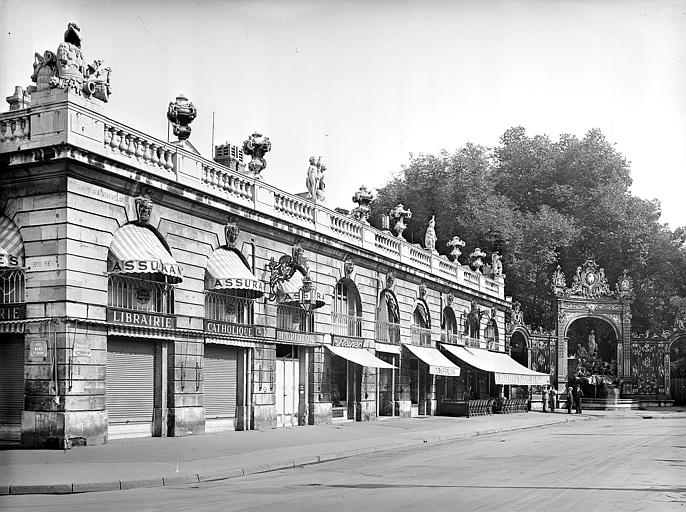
[
  {"x": 546, "y": 398},
  {"x": 578, "y": 395},
  {"x": 570, "y": 399}
]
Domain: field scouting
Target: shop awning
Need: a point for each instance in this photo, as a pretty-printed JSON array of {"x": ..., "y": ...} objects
[
  {"x": 359, "y": 356},
  {"x": 506, "y": 370},
  {"x": 11, "y": 245},
  {"x": 137, "y": 250},
  {"x": 438, "y": 363},
  {"x": 288, "y": 292},
  {"x": 227, "y": 271}
]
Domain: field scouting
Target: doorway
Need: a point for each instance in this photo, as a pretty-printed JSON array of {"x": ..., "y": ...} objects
[{"x": 287, "y": 385}]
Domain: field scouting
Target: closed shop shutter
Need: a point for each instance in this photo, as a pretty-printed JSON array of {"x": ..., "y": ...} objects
[
  {"x": 220, "y": 376},
  {"x": 130, "y": 380},
  {"x": 11, "y": 379}
]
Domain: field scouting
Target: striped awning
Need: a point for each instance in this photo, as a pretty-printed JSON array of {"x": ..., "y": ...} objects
[
  {"x": 505, "y": 369},
  {"x": 12, "y": 327},
  {"x": 288, "y": 292},
  {"x": 11, "y": 245},
  {"x": 137, "y": 250},
  {"x": 359, "y": 356},
  {"x": 228, "y": 271}
]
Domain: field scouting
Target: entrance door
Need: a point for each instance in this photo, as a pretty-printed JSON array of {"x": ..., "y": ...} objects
[
  {"x": 219, "y": 387},
  {"x": 287, "y": 384}
]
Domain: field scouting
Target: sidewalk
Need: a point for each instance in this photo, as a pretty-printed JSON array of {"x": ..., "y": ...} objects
[{"x": 153, "y": 462}]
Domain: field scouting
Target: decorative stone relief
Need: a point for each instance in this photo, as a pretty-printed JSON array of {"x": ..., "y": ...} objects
[
  {"x": 66, "y": 69},
  {"x": 256, "y": 146},
  {"x": 390, "y": 280},
  {"x": 285, "y": 268},
  {"x": 517, "y": 314},
  {"x": 143, "y": 208},
  {"x": 455, "y": 243},
  {"x": 430, "y": 236},
  {"x": 231, "y": 232},
  {"x": 181, "y": 114},
  {"x": 348, "y": 266},
  {"x": 558, "y": 282}
]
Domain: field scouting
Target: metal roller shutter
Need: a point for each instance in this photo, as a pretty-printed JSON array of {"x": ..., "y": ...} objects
[
  {"x": 130, "y": 381},
  {"x": 219, "y": 389},
  {"x": 11, "y": 380}
]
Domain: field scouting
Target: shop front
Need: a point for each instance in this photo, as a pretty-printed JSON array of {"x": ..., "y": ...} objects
[
  {"x": 353, "y": 379},
  {"x": 141, "y": 327},
  {"x": 486, "y": 375},
  {"x": 12, "y": 315},
  {"x": 429, "y": 366},
  {"x": 230, "y": 335}
]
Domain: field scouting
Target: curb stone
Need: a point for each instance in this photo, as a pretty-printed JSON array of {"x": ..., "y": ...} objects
[{"x": 197, "y": 478}]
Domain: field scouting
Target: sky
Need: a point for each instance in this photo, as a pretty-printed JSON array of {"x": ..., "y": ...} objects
[{"x": 365, "y": 83}]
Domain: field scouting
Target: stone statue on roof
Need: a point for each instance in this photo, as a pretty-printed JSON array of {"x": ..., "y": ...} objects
[{"x": 430, "y": 236}]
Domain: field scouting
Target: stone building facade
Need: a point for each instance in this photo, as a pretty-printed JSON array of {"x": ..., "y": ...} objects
[{"x": 150, "y": 291}]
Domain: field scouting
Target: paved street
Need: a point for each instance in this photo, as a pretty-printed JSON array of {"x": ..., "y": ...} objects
[{"x": 611, "y": 463}]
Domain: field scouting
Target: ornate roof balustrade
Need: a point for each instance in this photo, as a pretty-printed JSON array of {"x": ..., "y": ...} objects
[{"x": 71, "y": 120}]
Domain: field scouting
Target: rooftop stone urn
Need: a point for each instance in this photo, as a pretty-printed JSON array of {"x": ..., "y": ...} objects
[
  {"x": 256, "y": 146},
  {"x": 455, "y": 243},
  {"x": 362, "y": 197},
  {"x": 399, "y": 214},
  {"x": 181, "y": 114}
]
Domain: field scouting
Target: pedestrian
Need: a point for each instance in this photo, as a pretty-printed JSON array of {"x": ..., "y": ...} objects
[
  {"x": 546, "y": 398},
  {"x": 578, "y": 395},
  {"x": 570, "y": 398},
  {"x": 553, "y": 398}
]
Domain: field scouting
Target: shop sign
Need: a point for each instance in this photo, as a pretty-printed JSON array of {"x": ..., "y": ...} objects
[
  {"x": 13, "y": 312},
  {"x": 444, "y": 370},
  {"x": 237, "y": 330},
  {"x": 9, "y": 260},
  {"x": 302, "y": 338},
  {"x": 81, "y": 348},
  {"x": 340, "y": 341},
  {"x": 139, "y": 318},
  {"x": 238, "y": 283},
  {"x": 38, "y": 349}
]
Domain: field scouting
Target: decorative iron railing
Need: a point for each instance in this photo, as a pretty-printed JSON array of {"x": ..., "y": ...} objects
[
  {"x": 136, "y": 294},
  {"x": 294, "y": 318},
  {"x": 388, "y": 332},
  {"x": 12, "y": 286},
  {"x": 346, "y": 325},
  {"x": 420, "y": 336},
  {"x": 223, "y": 307}
]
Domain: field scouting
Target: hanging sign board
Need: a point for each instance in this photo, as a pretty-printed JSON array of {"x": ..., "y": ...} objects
[{"x": 340, "y": 341}]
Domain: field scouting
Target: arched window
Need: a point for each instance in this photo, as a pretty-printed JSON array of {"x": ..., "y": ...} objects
[
  {"x": 347, "y": 309},
  {"x": 450, "y": 331},
  {"x": 491, "y": 335},
  {"x": 388, "y": 319},
  {"x": 141, "y": 271},
  {"x": 421, "y": 325}
]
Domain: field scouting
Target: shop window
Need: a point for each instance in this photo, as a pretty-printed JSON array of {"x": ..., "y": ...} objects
[
  {"x": 339, "y": 381},
  {"x": 12, "y": 286},
  {"x": 153, "y": 295},
  {"x": 225, "y": 307},
  {"x": 294, "y": 318}
]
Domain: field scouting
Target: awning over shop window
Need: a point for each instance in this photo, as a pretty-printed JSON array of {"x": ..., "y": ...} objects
[
  {"x": 359, "y": 356},
  {"x": 227, "y": 271},
  {"x": 506, "y": 370},
  {"x": 288, "y": 292},
  {"x": 137, "y": 250},
  {"x": 11, "y": 245},
  {"x": 438, "y": 363}
]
